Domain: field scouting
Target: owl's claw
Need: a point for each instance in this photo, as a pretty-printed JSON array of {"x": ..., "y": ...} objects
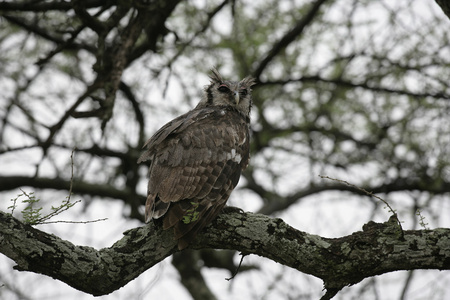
[{"x": 232, "y": 209}]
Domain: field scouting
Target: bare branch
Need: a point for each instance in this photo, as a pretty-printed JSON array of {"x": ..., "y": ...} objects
[
  {"x": 368, "y": 193},
  {"x": 281, "y": 203},
  {"x": 79, "y": 187},
  {"x": 43, "y": 6},
  {"x": 363, "y": 85},
  {"x": 445, "y": 6},
  {"x": 289, "y": 37}
]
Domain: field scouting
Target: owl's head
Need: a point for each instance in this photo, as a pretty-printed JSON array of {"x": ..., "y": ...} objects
[{"x": 228, "y": 93}]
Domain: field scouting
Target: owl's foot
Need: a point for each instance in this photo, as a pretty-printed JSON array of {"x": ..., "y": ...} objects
[{"x": 232, "y": 209}]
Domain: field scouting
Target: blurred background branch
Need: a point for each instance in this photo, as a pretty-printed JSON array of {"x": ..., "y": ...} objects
[{"x": 355, "y": 90}]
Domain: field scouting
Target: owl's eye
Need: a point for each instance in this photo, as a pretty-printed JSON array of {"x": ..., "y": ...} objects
[
  {"x": 223, "y": 88},
  {"x": 243, "y": 92}
]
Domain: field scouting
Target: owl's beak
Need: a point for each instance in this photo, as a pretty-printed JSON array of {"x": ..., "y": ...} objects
[{"x": 236, "y": 97}]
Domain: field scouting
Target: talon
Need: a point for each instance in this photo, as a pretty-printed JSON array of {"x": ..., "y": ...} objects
[{"x": 232, "y": 209}]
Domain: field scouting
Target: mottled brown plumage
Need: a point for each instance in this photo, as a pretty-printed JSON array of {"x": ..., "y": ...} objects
[{"x": 196, "y": 159}]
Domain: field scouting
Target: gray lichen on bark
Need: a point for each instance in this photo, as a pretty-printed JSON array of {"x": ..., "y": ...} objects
[{"x": 379, "y": 248}]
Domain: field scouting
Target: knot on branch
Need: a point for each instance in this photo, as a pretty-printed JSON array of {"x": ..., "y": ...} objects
[{"x": 391, "y": 227}]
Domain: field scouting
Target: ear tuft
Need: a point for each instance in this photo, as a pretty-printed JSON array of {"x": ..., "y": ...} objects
[
  {"x": 216, "y": 77},
  {"x": 248, "y": 82}
]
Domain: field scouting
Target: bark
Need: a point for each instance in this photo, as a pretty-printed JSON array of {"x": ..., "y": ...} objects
[{"x": 377, "y": 249}]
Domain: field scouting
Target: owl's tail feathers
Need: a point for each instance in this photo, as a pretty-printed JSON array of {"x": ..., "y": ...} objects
[
  {"x": 188, "y": 217},
  {"x": 155, "y": 208}
]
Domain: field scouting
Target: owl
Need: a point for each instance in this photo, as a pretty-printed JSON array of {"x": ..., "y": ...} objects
[{"x": 196, "y": 159}]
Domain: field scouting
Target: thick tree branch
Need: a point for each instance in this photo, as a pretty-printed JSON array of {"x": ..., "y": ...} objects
[
  {"x": 84, "y": 268},
  {"x": 378, "y": 249}
]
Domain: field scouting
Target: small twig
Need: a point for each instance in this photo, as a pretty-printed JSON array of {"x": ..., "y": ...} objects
[
  {"x": 422, "y": 219},
  {"x": 238, "y": 267},
  {"x": 14, "y": 205},
  {"x": 66, "y": 204},
  {"x": 71, "y": 173},
  {"x": 74, "y": 222},
  {"x": 368, "y": 193}
]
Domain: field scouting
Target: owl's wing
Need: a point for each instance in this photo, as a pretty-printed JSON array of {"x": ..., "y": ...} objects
[{"x": 162, "y": 134}]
